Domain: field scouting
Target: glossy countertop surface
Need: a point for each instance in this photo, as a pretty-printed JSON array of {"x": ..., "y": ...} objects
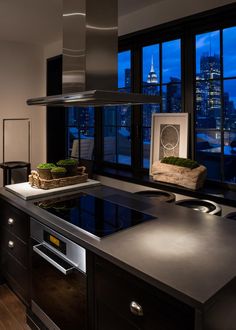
[{"x": 187, "y": 254}]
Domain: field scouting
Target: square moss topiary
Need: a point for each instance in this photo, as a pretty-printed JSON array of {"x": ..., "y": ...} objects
[
  {"x": 70, "y": 165},
  {"x": 44, "y": 170},
  {"x": 178, "y": 161},
  {"x": 58, "y": 172}
]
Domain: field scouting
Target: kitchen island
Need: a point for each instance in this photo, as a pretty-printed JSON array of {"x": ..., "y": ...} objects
[{"x": 187, "y": 256}]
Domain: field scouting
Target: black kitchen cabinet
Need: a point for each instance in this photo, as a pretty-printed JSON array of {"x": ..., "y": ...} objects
[
  {"x": 14, "y": 253},
  {"x": 124, "y": 302},
  {"x": 123, "y": 296}
]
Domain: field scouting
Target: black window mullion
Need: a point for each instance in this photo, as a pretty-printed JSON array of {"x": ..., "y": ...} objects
[
  {"x": 222, "y": 108},
  {"x": 136, "y": 122},
  {"x": 116, "y": 140},
  {"x": 160, "y": 74},
  {"x": 98, "y": 135},
  {"x": 189, "y": 86}
]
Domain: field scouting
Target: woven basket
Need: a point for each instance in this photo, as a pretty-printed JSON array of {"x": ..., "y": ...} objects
[{"x": 37, "y": 182}]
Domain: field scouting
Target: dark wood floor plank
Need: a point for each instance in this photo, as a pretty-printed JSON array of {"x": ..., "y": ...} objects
[
  {"x": 2, "y": 327},
  {"x": 12, "y": 311},
  {"x": 7, "y": 318},
  {"x": 8, "y": 298}
]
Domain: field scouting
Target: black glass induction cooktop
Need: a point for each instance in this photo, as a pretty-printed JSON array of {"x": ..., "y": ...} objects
[{"x": 97, "y": 216}]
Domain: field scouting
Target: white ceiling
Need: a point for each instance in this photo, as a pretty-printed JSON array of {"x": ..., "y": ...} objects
[
  {"x": 128, "y": 6},
  {"x": 39, "y": 21}
]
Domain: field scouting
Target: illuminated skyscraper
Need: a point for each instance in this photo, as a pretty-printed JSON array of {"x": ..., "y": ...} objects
[
  {"x": 152, "y": 76},
  {"x": 208, "y": 87},
  {"x": 173, "y": 95},
  {"x": 150, "y": 87}
]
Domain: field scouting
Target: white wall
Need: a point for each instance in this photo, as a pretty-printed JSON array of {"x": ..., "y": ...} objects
[
  {"x": 23, "y": 76},
  {"x": 53, "y": 49},
  {"x": 165, "y": 11}
]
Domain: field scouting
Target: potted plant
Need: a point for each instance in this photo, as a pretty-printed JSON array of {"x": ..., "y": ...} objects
[
  {"x": 44, "y": 170},
  {"x": 70, "y": 165},
  {"x": 58, "y": 172}
]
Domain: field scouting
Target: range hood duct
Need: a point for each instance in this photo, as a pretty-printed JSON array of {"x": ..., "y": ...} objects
[{"x": 90, "y": 48}]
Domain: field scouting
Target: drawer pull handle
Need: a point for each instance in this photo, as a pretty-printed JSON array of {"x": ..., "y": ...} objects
[
  {"x": 11, "y": 244},
  {"x": 11, "y": 221},
  {"x": 136, "y": 309}
]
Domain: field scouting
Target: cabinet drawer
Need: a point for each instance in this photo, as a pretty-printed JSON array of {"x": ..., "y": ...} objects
[
  {"x": 136, "y": 302},
  {"x": 14, "y": 220},
  {"x": 22, "y": 293},
  {"x": 14, "y": 246},
  {"x": 13, "y": 269}
]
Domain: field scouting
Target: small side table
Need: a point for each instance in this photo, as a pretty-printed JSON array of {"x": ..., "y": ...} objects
[{"x": 9, "y": 166}]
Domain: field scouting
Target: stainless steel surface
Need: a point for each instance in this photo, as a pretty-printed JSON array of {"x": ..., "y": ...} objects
[
  {"x": 75, "y": 254},
  {"x": 43, "y": 317},
  {"x": 10, "y": 221},
  {"x": 51, "y": 261},
  {"x": 201, "y": 205},
  {"x": 95, "y": 98},
  {"x": 74, "y": 46},
  {"x": 101, "y": 44},
  {"x": 90, "y": 46},
  {"x": 136, "y": 309},
  {"x": 11, "y": 244}
]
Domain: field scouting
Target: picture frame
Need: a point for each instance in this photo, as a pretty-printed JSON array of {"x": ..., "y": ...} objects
[{"x": 169, "y": 136}]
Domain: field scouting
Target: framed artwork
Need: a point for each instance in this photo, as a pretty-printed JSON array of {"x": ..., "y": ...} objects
[{"x": 169, "y": 136}]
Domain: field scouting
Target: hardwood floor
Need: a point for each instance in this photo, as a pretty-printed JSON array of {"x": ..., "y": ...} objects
[{"x": 12, "y": 311}]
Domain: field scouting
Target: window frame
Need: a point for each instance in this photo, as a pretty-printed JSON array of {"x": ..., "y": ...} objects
[
  {"x": 135, "y": 42},
  {"x": 184, "y": 29}
]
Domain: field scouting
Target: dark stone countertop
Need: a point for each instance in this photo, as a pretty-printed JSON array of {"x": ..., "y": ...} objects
[{"x": 187, "y": 254}]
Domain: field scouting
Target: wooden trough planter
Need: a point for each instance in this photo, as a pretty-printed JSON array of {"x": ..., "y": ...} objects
[{"x": 178, "y": 175}]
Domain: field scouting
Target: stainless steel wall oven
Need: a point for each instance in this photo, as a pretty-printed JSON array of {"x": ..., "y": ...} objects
[{"x": 59, "y": 284}]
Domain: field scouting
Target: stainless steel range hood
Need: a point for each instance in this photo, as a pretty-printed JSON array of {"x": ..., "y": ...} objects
[{"x": 90, "y": 47}]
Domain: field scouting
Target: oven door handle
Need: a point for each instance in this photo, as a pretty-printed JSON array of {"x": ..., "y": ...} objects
[{"x": 62, "y": 265}]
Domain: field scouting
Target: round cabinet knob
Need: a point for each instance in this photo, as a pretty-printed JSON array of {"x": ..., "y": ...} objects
[
  {"x": 10, "y": 221},
  {"x": 11, "y": 244},
  {"x": 136, "y": 309}
]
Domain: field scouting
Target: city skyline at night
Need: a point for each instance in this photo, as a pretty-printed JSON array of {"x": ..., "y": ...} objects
[{"x": 214, "y": 90}]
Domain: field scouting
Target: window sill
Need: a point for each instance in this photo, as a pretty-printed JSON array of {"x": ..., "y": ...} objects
[{"x": 220, "y": 195}]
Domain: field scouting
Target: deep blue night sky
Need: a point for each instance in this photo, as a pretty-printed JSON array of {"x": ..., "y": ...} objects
[{"x": 207, "y": 43}]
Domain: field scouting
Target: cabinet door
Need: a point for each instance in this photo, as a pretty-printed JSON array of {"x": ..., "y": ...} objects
[
  {"x": 16, "y": 276},
  {"x": 108, "y": 319},
  {"x": 14, "y": 220},
  {"x": 14, "y": 249},
  {"x": 14, "y": 246},
  {"x": 126, "y": 303}
]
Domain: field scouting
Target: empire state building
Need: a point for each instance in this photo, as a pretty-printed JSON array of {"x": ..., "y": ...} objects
[{"x": 152, "y": 76}]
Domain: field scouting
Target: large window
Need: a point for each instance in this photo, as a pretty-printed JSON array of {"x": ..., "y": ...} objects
[
  {"x": 191, "y": 65},
  {"x": 117, "y": 120},
  {"x": 161, "y": 75},
  {"x": 80, "y": 132},
  {"x": 215, "y": 103}
]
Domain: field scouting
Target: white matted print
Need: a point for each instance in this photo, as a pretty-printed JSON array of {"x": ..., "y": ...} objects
[{"x": 169, "y": 136}]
